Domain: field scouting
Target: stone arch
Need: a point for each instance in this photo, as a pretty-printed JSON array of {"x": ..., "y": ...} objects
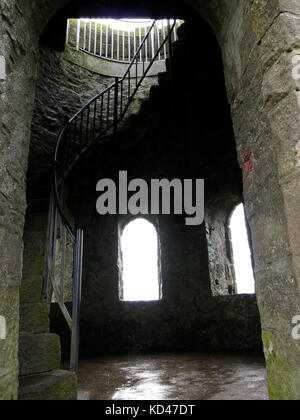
[
  {"x": 123, "y": 224},
  {"x": 258, "y": 43}
]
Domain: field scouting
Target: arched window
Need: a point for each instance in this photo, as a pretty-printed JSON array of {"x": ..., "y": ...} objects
[
  {"x": 140, "y": 262},
  {"x": 241, "y": 251}
]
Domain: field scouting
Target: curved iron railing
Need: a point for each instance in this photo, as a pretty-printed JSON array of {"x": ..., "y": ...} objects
[
  {"x": 96, "y": 120},
  {"x": 118, "y": 39}
]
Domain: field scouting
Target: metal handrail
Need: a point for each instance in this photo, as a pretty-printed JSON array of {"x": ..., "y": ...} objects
[
  {"x": 99, "y": 38},
  {"x": 95, "y": 121}
]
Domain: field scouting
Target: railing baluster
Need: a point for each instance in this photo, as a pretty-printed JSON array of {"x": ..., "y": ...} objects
[
  {"x": 63, "y": 263},
  {"x": 123, "y": 45},
  {"x": 95, "y": 37},
  {"x": 129, "y": 91},
  {"x": 163, "y": 38},
  {"x": 118, "y": 45},
  {"x": 94, "y": 118},
  {"x": 129, "y": 51},
  {"x": 140, "y": 39},
  {"x": 108, "y": 109},
  {"x": 84, "y": 35},
  {"x": 48, "y": 252},
  {"x": 90, "y": 35},
  {"x": 112, "y": 43},
  {"x": 81, "y": 129},
  {"x": 54, "y": 241},
  {"x": 116, "y": 103},
  {"x": 87, "y": 125},
  {"x": 152, "y": 42},
  {"x": 67, "y": 32},
  {"x": 158, "y": 39},
  {"x": 106, "y": 48},
  {"x": 134, "y": 41},
  {"x": 146, "y": 46},
  {"x": 67, "y": 154},
  {"x": 121, "y": 98},
  {"x": 170, "y": 48},
  {"x": 101, "y": 38},
  {"x": 78, "y": 34},
  {"x": 77, "y": 286}
]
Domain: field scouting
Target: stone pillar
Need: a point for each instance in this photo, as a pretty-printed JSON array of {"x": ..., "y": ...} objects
[
  {"x": 260, "y": 47},
  {"x": 260, "y": 41},
  {"x": 17, "y": 83},
  {"x": 279, "y": 295}
]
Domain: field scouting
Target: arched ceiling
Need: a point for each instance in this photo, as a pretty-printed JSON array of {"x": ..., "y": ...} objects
[{"x": 54, "y": 33}]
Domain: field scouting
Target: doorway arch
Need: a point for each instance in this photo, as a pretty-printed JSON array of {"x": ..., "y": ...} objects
[{"x": 247, "y": 72}]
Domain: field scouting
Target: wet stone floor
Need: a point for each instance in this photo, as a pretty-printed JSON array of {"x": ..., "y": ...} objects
[{"x": 173, "y": 377}]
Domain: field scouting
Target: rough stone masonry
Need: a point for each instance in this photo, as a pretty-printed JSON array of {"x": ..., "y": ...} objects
[{"x": 258, "y": 39}]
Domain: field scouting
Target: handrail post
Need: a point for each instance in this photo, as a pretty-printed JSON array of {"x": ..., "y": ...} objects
[
  {"x": 170, "y": 48},
  {"x": 116, "y": 102},
  {"x": 77, "y": 285},
  {"x": 78, "y": 34}
]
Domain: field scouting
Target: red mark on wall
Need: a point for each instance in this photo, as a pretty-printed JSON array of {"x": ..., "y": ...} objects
[{"x": 248, "y": 167}]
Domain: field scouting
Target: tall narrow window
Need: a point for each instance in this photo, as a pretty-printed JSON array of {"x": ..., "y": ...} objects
[
  {"x": 241, "y": 252},
  {"x": 140, "y": 256}
]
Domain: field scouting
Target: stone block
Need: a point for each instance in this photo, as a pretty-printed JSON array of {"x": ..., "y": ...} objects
[
  {"x": 33, "y": 262},
  {"x": 7, "y": 385},
  {"x": 10, "y": 256},
  {"x": 31, "y": 289},
  {"x": 55, "y": 386},
  {"x": 39, "y": 353},
  {"x": 34, "y": 318}
]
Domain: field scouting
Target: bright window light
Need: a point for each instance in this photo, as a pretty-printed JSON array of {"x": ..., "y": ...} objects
[
  {"x": 139, "y": 245},
  {"x": 127, "y": 24},
  {"x": 123, "y": 24},
  {"x": 241, "y": 252}
]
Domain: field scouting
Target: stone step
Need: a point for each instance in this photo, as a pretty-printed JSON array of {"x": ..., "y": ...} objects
[
  {"x": 39, "y": 353},
  {"x": 58, "y": 385},
  {"x": 34, "y": 318}
]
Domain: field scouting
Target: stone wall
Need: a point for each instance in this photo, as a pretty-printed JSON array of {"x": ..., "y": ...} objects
[
  {"x": 258, "y": 40},
  {"x": 171, "y": 144},
  {"x": 221, "y": 264},
  {"x": 63, "y": 87}
]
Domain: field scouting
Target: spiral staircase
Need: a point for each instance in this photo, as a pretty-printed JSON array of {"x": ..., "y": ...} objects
[{"x": 97, "y": 123}]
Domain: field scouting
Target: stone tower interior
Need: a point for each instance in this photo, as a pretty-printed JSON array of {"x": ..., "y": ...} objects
[{"x": 225, "y": 109}]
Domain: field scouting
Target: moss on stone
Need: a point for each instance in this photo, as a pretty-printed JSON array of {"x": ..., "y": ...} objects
[
  {"x": 283, "y": 377},
  {"x": 58, "y": 385}
]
